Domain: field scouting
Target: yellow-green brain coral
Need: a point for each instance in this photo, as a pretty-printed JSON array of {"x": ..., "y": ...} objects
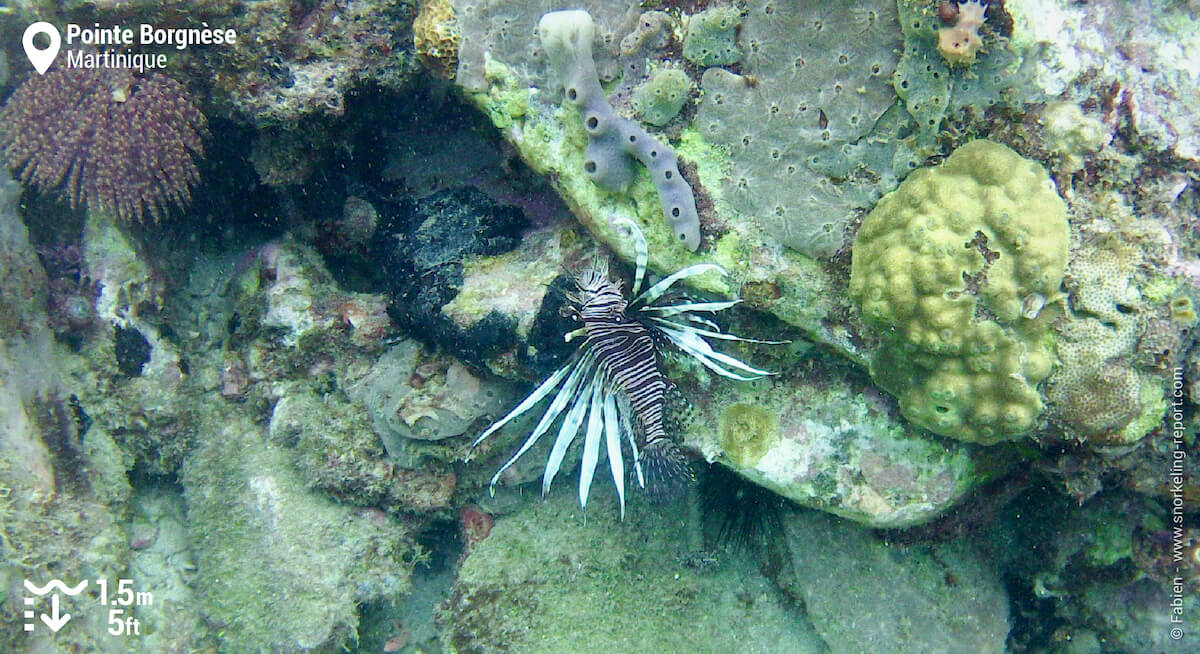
[{"x": 954, "y": 268}]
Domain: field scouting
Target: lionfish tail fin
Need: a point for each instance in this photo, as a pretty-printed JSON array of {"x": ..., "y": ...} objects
[{"x": 667, "y": 471}]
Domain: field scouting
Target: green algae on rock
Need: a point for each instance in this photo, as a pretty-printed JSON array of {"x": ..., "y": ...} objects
[
  {"x": 955, "y": 269},
  {"x": 282, "y": 567},
  {"x": 944, "y": 597},
  {"x": 552, "y": 578},
  {"x": 839, "y": 450}
]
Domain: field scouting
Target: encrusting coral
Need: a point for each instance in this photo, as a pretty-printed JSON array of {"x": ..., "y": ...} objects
[
  {"x": 712, "y": 37},
  {"x": 125, "y": 144}
]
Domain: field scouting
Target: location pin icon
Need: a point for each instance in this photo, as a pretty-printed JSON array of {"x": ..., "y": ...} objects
[{"x": 41, "y": 59}]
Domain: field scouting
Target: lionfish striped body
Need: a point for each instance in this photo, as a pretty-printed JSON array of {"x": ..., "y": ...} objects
[
  {"x": 614, "y": 383},
  {"x": 626, "y": 354}
]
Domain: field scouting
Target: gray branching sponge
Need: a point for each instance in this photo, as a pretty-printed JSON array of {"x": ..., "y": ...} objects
[{"x": 613, "y": 142}]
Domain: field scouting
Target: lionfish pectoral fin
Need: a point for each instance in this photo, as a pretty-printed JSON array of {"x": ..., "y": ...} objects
[
  {"x": 656, "y": 291},
  {"x": 675, "y": 309},
  {"x": 707, "y": 333},
  {"x": 566, "y": 435},
  {"x": 696, "y": 346},
  {"x": 612, "y": 439},
  {"x": 556, "y": 407},
  {"x": 591, "y": 442}
]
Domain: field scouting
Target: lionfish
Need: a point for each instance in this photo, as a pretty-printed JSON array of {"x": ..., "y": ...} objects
[{"x": 614, "y": 383}]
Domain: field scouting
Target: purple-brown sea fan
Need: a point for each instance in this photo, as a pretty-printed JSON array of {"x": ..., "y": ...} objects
[{"x": 125, "y": 144}]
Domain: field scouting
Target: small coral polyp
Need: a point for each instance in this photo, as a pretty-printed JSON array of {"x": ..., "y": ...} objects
[
  {"x": 946, "y": 268},
  {"x": 960, "y": 42}
]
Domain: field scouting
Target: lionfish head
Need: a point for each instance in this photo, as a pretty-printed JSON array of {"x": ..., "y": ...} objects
[{"x": 596, "y": 295}]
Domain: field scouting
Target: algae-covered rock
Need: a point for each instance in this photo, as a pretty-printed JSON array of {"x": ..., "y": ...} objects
[
  {"x": 554, "y": 578},
  {"x": 280, "y": 567},
  {"x": 955, "y": 268},
  {"x": 161, "y": 562},
  {"x": 840, "y": 449},
  {"x": 939, "y": 599},
  {"x": 63, "y": 487}
]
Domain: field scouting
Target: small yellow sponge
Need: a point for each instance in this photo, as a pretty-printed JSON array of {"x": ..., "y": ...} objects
[{"x": 954, "y": 269}]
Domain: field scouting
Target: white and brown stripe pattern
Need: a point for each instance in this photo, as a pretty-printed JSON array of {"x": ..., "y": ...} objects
[
  {"x": 612, "y": 391},
  {"x": 624, "y": 350}
]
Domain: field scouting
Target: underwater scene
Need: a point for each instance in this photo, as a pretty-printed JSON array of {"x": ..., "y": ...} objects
[{"x": 671, "y": 326}]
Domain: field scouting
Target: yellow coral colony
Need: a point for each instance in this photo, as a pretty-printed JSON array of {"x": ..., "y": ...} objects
[
  {"x": 959, "y": 43},
  {"x": 954, "y": 270}
]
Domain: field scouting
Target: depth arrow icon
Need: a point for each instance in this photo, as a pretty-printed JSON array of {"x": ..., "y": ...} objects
[{"x": 55, "y": 623}]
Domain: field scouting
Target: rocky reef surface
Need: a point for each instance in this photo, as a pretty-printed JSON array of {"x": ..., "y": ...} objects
[{"x": 974, "y": 226}]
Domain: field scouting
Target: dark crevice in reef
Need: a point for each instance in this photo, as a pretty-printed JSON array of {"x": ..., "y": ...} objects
[
  {"x": 62, "y": 425},
  {"x": 419, "y": 250},
  {"x": 132, "y": 350}
]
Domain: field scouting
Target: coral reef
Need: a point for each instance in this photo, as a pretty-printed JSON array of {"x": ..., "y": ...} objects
[
  {"x": 258, "y": 413},
  {"x": 955, "y": 269},
  {"x": 125, "y": 144},
  {"x": 511, "y": 89},
  {"x": 162, "y": 562}
]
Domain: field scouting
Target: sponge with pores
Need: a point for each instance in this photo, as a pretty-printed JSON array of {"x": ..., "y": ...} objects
[{"x": 613, "y": 142}]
